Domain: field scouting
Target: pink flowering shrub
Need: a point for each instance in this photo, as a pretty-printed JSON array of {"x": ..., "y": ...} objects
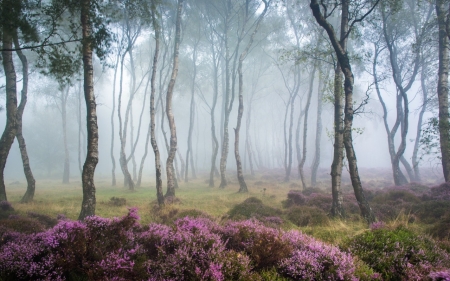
[{"x": 197, "y": 249}]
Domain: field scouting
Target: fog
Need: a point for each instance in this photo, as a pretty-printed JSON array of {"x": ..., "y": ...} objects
[{"x": 268, "y": 71}]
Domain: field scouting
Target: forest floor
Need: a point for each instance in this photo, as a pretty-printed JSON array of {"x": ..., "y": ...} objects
[{"x": 53, "y": 198}]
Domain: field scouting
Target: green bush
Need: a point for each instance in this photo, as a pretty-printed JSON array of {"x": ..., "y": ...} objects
[
  {"x": 252, "y": 208},
  {"x": 432, "y": 211},
  {"x": 307, "y": 216},
  {"x": 397, "y": 254}
]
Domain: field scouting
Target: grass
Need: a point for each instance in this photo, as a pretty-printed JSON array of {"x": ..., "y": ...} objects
[{"x": 53, "y": 198}]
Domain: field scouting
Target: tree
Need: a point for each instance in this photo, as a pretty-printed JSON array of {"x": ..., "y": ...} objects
[
  {"x": 89, "y": 201},
  {"x": 340, "y": 49},
  {"x": 173, "y": 131},
  {"x": 13, "y": 17},
  {"x": 442, "y": 13}
]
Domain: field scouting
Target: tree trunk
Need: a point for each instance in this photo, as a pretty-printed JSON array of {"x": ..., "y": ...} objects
[
  {"x": 113, "y": 159},
  {"x": 128, "y": 181},
  {"x": 240, "y": 175},
  {"x": 191, "y": 114},
  {"x": 89, "y": 202},
  {"x": 80, "y": 128},
  {"x": 288, "y": 140},
  {"x": 337, "y": 208},
  {"x": 315, "y": 166},
  {"x": 159, "y": 191},
  {"x": 66, "y": 173},
  {"x": 214, "y": 141},
  {"x": 10, "y": 130},
  {"x": 305, "y": 125},
  {"x": 442, "y": 87},
  {"x": 173, "y": 131},
  {"x": 31, "y": 183}
]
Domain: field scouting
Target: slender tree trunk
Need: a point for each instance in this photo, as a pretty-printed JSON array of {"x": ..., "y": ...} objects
[
  {"x": 89, "y": 202},
  {"x": 240, "y": 175},
  {"x": 128, "y": 181},
  {"x": 113, "y": 159},
  {"x": 315, "y": 166},
  {"x": 337, "y": 208},
  {"x": 31, "y": 183},
  {"x": 424, "y": 88},
  {"x": 288, "y": 140},
  {"x": 191, "y": 114},
  {"x": 214, "y": 141},
  {"x": 248, "y": 142},
  {"x": 133, "y": 158},
  {"x": 80, "y": 128},
  {"x": 147, "y": 139},
  {"x": 66, "y": 173},
  {"x": 10, "y": 130},
  {"x": 305, "y": 126},
  {"x": 158, "y": 171},
  {"x": 442, "y": 87},
  {"x": 173, "y": 131}
]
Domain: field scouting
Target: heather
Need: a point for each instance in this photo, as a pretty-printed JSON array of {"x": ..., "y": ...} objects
[{"x": 190, "y": 249}]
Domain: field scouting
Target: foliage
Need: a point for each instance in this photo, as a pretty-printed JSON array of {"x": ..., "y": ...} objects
[
  {"x": 398, "y": 254},
  {"x": 191, "y": 249},
  {"x": 253, "y": 208},
  {"x": 307, "y": 216}
]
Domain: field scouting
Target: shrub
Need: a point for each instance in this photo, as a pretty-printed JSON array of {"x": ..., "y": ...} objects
[
  {"x": 6, "y": 206},
  {"x": 294, "y": 197},
  {"x": 47, "y": 221},
  {"x": 22, "y": 225},
  {"x": 398, "y": 254},
  {"x": 441, "y": 229},
  {"x": 262, "y": 244},
  {"x": 115, "y": 201},
  {"x": 253, "y": 207},
  {"x": 432, "y": 211},
  {"x": 440, "y": 275},
  {"x": 315, "y": 260},
  {"x": 304, "y": 216}
]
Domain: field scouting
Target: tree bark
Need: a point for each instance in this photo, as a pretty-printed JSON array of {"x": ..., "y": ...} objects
[
  {"x": 31, "y": 182},
  {"x": 315, "y": 166},
  {"x": 66, "y": 172},
  {"x": 10, "y": 130},
  {"x": 173, "y": 131},
  {"x": 305, "y": 126},
  {"x": 89, "y": 202},
  {"x": 337, "y": 208},
  {"x": 442, "y": 87},
  {"x": 158, "y": 172},
  {"x": 191, "y": 113},
  {"x": 113, "y": 159}
]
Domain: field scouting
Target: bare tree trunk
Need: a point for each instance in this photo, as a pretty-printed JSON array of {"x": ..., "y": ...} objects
[
  {"x": 31, "y": 183},
  {"x": 159, "y": 191},
  {"x": 315, "y": 166},
  {"x": 89, "y": 202},
  {"x": 248, "y": 142},
  {"x": 191, "y": 114},
  {"x": 80, "y": 128},
  {"x": 240, "y": 175},
  {"x": 113, "y": 159},
  {"x": 133, "y": 158},
  {"x": 305, "y": 126},
  {"x": 66, "y": 173},
  {"x": 128, "y": 181},
  {"x": 173, "y": 131},
  {"x": 288, "y": 140},
  {"x": 337, "y": 208},
  {"x": 214, "y": 141},
  {"x": 442, "y": 88},
  {"x": 147, "y": 139},
  {"x": 10, "y": 130}
]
